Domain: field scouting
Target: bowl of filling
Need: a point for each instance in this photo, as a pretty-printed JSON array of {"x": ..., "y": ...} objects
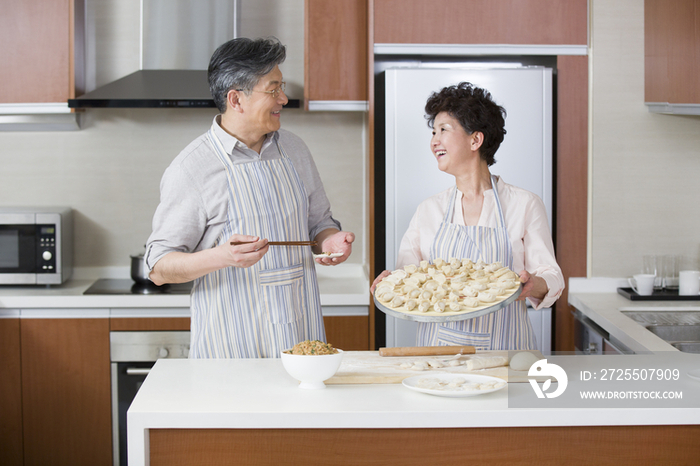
[{"x": 311, "y": 362}]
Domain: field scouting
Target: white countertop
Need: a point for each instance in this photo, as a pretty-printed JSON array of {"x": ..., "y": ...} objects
[
  {"x": 258, "y": 393},
  {"x": 344, "y": 285},
  {"x": 599, "y": 300}
]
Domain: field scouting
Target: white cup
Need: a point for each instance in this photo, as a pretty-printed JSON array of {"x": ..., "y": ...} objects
[
  {"x": 643, "y": 283},
  {"x": 688, "y": 282}
]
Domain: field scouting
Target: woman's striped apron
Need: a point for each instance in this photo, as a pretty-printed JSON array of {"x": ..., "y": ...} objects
[
  {"x": 506, "y": 329},
  {"x": 257, "y": 312}
]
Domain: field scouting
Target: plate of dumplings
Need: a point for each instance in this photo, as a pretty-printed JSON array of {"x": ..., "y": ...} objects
[{"x": 447, "y": 291}]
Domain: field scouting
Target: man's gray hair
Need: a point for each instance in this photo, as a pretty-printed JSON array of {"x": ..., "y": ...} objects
[{"x": 240, "y": 63}]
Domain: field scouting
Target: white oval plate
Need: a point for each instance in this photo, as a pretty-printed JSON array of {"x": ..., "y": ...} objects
[
  {"x": 331, "y": 255},
  {"x": 694, "y": 374},
  {"x": 434, "y": 317},
  {"x": 430, "y": 384}
]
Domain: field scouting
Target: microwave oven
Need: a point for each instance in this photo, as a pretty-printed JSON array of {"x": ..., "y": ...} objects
[{"x": 36, "y": 245}]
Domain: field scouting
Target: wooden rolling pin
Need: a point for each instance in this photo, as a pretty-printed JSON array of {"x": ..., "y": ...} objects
[{"x": 426, "y": 350}]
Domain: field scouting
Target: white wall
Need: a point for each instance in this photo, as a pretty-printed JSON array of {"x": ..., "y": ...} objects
[
  {"x": 645, "y": 166},
  {"x": 109, "y": 171}
]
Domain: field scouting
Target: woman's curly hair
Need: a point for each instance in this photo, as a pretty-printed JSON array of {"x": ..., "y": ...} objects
[{"x": 475, "y": 110}]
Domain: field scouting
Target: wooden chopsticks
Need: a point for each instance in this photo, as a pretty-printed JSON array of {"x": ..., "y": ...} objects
[{"x": 280, "y": 243}]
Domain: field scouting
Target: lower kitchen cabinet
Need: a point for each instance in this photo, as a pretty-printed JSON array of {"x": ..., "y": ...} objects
[
  {"x": 349, "y": 333},
  {"x": 144, "y": 324},
  {"x": 10, "y": 394},
  {"x": 66, "y": 392}
]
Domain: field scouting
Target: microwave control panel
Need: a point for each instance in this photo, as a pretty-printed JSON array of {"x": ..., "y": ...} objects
[{"x": 46, "y": 248}]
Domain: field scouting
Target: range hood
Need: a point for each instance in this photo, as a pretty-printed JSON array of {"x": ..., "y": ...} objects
[{"x": 177, "y": 40}]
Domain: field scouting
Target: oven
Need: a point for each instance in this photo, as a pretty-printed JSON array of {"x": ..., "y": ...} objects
[{"x": 132, "y": 355}]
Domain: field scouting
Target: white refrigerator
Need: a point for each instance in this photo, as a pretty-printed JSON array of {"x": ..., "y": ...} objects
[{"x": 524, "y": 158}]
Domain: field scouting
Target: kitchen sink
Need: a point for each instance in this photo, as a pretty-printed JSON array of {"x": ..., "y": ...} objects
[
  {"x": 687, "y": 346},
  {"x": 663, "y": 317},
  {"x": 679, "y": 328},
  {"x": 680, "y": 332}
]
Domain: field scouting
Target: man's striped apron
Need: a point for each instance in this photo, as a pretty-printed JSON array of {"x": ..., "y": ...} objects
[
  {"x": 257, "y": 312},
  {"x": 506, "y": 329}
]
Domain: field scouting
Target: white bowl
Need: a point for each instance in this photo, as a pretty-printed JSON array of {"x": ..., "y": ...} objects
[{"x": 312, "y": 370}]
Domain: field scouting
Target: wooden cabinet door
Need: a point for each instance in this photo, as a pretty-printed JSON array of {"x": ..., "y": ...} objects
[
  {"x": 66, "y": 392},
  {"x": 349, "y": 333},
  {"x": 144, "y": 324},
  {"x": 672, "y": 51},
  {"x": 540, "y": 22},
  {"x": 36, "y": 52},
  {"x": 572, "y": 186},
  {"x": 10, "y": 394},
  {"x": 335, "y": 50}
]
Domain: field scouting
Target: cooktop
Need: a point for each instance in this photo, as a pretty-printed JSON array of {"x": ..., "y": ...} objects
[{"x": 111, "y": 286}]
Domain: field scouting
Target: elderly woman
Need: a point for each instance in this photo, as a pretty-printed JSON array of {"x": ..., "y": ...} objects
[{"x": 481, "y": 217}]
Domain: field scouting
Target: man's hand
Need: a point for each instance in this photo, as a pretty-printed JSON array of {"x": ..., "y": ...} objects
[
  {"x": 247, "y": 253},
  {"x": 181, "y": 267},
  {"x": 332, "y": 240}
]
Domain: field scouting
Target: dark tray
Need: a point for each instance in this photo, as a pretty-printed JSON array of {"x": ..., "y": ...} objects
[{"x": 657, "y": 295}]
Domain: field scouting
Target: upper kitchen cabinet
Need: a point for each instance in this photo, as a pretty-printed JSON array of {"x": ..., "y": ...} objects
[
  {"x": 672, "y": 56},
  {"x": 539, "y": 22},
  {"x": 335, "y": 55},
  {"x": 37, "y": 74}
]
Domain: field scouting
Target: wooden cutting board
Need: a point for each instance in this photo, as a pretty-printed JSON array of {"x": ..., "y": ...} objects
[{"x": 363, "y": 367}]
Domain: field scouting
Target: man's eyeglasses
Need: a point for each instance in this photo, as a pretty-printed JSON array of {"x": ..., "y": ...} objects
[{"x": 274, "y": 92}]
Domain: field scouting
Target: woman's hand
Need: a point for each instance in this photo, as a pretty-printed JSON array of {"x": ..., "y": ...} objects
[
  {"x": 533, "y": 286},
  {"x": 379, "y": 278},
  {"x": 332, "y": 240}
]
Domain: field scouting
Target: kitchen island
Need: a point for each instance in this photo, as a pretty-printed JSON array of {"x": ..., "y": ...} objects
[{"x": 252, "y": 412}]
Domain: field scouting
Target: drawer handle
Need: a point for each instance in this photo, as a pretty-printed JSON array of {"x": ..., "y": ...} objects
[{"x": 137, "y": 370}]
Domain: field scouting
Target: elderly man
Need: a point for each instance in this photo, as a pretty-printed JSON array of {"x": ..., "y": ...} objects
[{"x": 243, "y": 183}]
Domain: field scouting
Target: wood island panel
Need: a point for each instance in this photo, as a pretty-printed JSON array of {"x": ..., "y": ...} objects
[
  {"x": 10, "y": 394},
  {"x": 622, "y": 445},
  {"x": 541, "y": 22},
  {"x": 66, "y": 392},
  {"x": 571, "y": 229},
  {"x": 335, "y": 55}
]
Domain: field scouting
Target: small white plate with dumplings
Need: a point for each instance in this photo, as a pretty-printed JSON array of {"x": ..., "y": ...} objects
[{"x": 454, "y": 385}]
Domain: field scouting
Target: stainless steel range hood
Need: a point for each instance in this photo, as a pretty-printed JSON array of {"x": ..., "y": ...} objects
[
  {"x": 177, "y": 40},
  {"x": 151, "y": 89}
]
